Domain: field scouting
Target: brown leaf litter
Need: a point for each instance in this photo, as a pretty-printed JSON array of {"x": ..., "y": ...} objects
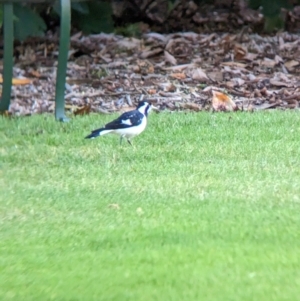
[{"x": 180, "y": 71}]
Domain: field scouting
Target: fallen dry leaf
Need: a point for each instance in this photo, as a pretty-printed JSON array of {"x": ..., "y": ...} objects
[
  {"x": 129, "y": 43},
  {"x": 215, "y": 76},
  {"x": 239, "y": 52},
  {"x": 144, "y": 67},
  {"x": 21, "y": 81},
  {"x": 222, "y": 102},
  {"x": 170, "y": 58},
  {"x": 18, "y": 81},
  {"x": 200, "y": 75},
  {"x": 293, "y": 96},
  {"x": 234, "y": 64},
  {"x": 179, "y": 67},
  {"x": 178, "y": 75},
  {"x": 278, "y": 83},
  {"x": 34, "y": 73},
  {"x": 250, "y": 56},
  {"x": 278, "y": 59},
  {"x": 290, "y": 65},
  {"x": 83, "y": 110},
  {"x": 191, "y": 106},
  {"x": 151, "y": 91},
  {"x": 151, "y": 52}
]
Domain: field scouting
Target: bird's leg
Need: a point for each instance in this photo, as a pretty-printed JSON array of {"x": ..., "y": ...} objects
[
  {"x": 121, "y": 139},
  {"x": 129, "y": 142}
]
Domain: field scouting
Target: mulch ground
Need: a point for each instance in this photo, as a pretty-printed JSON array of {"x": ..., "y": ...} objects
[{"x": 180, "y": 71}]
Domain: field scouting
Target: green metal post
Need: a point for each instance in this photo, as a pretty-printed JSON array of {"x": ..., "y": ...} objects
[
  {"x": 64, "y": 42},
  {"x": 8, "y": 55}
]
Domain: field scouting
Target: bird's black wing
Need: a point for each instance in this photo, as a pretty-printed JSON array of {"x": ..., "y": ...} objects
[{"x": 126, "y": 120}]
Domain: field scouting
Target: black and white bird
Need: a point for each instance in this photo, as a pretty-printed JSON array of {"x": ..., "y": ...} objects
[{"x": 128, "y": 125}]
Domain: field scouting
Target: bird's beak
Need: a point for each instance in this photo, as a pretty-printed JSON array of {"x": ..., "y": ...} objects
[{"x": 154, "y": 108}]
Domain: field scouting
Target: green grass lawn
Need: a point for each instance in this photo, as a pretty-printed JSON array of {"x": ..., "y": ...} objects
[{"x": 203, "y": 207}]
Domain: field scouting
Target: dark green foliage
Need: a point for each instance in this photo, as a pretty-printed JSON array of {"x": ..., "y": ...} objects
[
  {"x": 90, "y": 17},
  {"x": 273, "y": 23},
  {"x": 131, "y": 30},
  {"x": 96, "y": 16},
  {"x": 93, "y": 17},
  {"x": 27, "y": 22},
  {"x": 272, "y": 7},
  {"x": 1, "y": 15},
  {"x": 81, "y": 7}
]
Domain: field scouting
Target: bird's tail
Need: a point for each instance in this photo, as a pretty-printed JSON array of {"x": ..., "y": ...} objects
[{"x": 98, "y": 132}]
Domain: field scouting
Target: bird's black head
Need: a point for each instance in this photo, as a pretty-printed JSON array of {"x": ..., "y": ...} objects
[{"x": 144, "y": 107}]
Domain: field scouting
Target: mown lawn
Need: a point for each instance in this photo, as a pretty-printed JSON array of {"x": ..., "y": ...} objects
[{"x": 203, "y": 207}]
